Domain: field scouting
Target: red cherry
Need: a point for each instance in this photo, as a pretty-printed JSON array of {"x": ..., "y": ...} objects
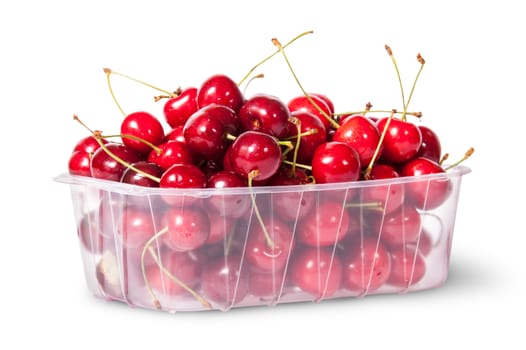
[
  {"x": 208, "y": 130},
  {"x": 220, "y": 89},
  {"x": 220, "y": 228},
  {"x": 366, "y": 265},
  {"x": 176, "y": 134},
  {"x": 302, "y": 104},
  {"x": 401, "y": 142},
  {"x": 171, "y": 152},
  {"x": 335, "y": 162},
  {"x": 431, "y": 147},
  {"x": 265, "y": 113},
  {"x": 314, "y": 134},
  {"x": 88, "y": 144},
  {"x": 178, "y": 109},
  {"x": 79, "y": 163},
  {"x": 103, "y": 166},
  {"x": 255, "y": 151},
  {"x": 181, "y": 176},
  {"x": 89, "y": 233},
  {"x": 135, "y": 227},
  {"x": 266, "y": 285},
  {"x": 317, "y": 271},
  {"x": 328, "y": 225},
  {"x": 408, "y": 267},
  {"x": 188, "y": 228},
  {"x": 229, "y": 205},
  {"x": 224, "y": 281},
  {"x": 325, "y": 99},
  {"x": 360, "y": 133},
  {"x": 263, "y": 257},
  {"x": 400, "y": 227},
  {"x": 144, "y": 126},
  {"x": 389, "y": 196},
  {"x": 426, "y": 194},
  {"x": 133, "y": 177}
]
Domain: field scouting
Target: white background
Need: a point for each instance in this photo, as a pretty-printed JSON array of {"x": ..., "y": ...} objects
[{"x": 472, "y": 92}]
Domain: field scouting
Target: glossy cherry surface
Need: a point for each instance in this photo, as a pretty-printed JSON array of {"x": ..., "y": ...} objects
[
  {"x": 360, "y": 133},
  {"x": 178, "y": 109},
  {"x": 335, "y": 161},
  {"x": 144, "y": 126},
  {"x": 103, "y": 166},
  {"x": 222, "y": 90},
  {"x": 402, "y": 140},
  {"x": 265, "y": 113}
]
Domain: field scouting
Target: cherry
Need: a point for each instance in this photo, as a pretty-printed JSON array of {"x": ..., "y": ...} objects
[
  {"x": 88, "y": 144},
  {"x": 312, "y": 134},
  {"x": 400, "y": 227},
  {"x": 225, "y": 281},
  {"x": 188, "y": 228},
  {"x": 89, "y": 233},
  {"x": 390, "y": 196},
  {"x": 426, "y": 194},
  {"x": 325, "y": 99},
  {"x": 104, "y": 166},
  {"x": 220, "y": 89},
  {"x": 133, "y": 177},
  {"x": 263, "y": 257},
  {"x": 109, "y": 276},
  {"x": 402, "y": 140},
  {"x": 182, "y": 265},
  {"x": 220, "y": 228},
  {"x": 135, "y": 227},
  {"x": 179, "y": 108},
  {"x": 181, "y": 176},
  {"x": 144, "y": 126},
  {"x": 266, "y": 285},
  {"x": 176, "y": 134},
  {"x": 430, "y": 147},
  {"x": 254, "y": 152},
  {"x": 291, "y": 205},
  {"x": 366, "y": 265},
  {"x": 328, "y": 225},
  {"x": 360, "y": 133},
  {"x": 424, "y": 243},
  {"x": 79, "y": 163},
  {"x": 303, "y": 104},
  {"x": 170, "y": 152},
  {"x": 265, "y": 113},
  {"x": 317, "y": 271},
  {"x": 225, "y": 204},
  {"x": 207, "y": 132},
  {"x": 408, "y": 267},
  {"x": 335, "y": 161}
]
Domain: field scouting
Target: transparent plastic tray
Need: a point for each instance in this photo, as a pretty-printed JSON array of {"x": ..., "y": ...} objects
[{"x": 217, "y": 249}]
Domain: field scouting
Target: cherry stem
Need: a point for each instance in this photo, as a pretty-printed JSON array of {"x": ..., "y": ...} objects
[
  {"x": 269, "y": 240},
  {"x": 415, "y": 114},
  {"x": 468, "y": 154},
  {"x": 297, "y": 123},
  {"x": 259, "y": 76},
  {"x": 302, "y": 134},
  {"x": 443, "y": 159},
  {"x": 289, "y": 146},
  {"x": 108, "y": 79},
  {"x": 272, "y": 55},
  {"x": 230, "y": 137},
  {"x": 170, "y": 275},
  {"x": 136, "y": 138},
  {"x": 176, "y": 93},
  {"x": 369, "y": 205},
  {"x": 422, "y": 62},
  {"x": 390, "y": 52},
  {"x": 333, "y": 123},
  {"x": 367, "y": 173},
  {"x": 299, "y": 165},
  {"x": 109, "y": 71}
]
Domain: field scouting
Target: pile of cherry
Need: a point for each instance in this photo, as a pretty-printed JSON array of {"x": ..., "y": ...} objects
[{"x": 217, "y": 250}]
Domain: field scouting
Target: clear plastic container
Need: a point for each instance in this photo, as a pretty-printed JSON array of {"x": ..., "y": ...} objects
[{"x": 209, "y": 249}]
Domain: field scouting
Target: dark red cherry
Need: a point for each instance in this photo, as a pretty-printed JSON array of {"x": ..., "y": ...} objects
[
  {"x": 426, "y": 194},
  {"x": 144, "y": 126},
  {"x": 220, "y": 89},
  {"x": 302, "y": 104},
  {"x": 103, "y": 166},
  {"x": 171, "y": 152},
  {"x": 335, "y": 161},
  {"x": 178, "y": 109},
  {"x": 207, "y": 132},
  {"x": 255, "y": 151},
  {"x": 188, "y": 228},
  {"x": 360, "y": 133},
  {"x": 366, "y": 265},
  {"x": 408, "y": 267},
  {"x": 264, "y": 257},
  {"x": 265, "y": 113},
  {"x": 79, "y": 163},
  {"x": 133, "y": 177},
  {"x": 316, "y": 271},
  {"x": 402, "y": 140},
  {"x": 389, "y": 196},
  {"x": 431, "y": 147},
  {"x": 224, "y": 281},
  {"x": 314, "y": 134},
  {"x": 326, "y": 225}
]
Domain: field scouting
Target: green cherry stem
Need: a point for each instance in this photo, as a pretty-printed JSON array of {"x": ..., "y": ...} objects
[
  {"x": 422, "y": 63},
  {"x": 314, "y": 104},
  {"x": 107, "y": 71},
  {"x": 251, "y": 176},
  {"x": 390, "y": 52},
  {"x": 367, "y": 173},
  {"x": 468, "y": 154},
  {"x": 272, "y": 55},
  {"x": 136, "y": 138}
]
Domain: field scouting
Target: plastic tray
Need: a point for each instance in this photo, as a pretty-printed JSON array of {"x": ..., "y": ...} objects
[{"x": 263, "y": 245}]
